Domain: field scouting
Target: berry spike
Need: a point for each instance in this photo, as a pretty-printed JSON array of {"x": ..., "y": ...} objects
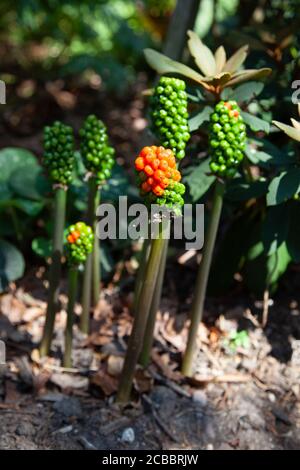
[
  {"x": 97, "y": 153},
  {"x": 79, "y": 242},
  {"x": 169, "y": 115},
  {"x": 59, "y": 152},
  {"x": 158, "y": 177},
  {"x": 227, "y": 139}
]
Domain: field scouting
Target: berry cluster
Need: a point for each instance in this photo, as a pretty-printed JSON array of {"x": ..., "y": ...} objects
[
  {"x": 80, "y": 240},
  {"x": 227, "y": 139},
  {"x": 59, "y": 152},
  {"x": 169, "y": 115},
  {"x": 97, "y": 154},
  {"x": 159, "y": 179}
]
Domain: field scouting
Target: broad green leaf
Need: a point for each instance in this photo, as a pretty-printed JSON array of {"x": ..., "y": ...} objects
[
  {"x": 203, "y": 56},
  {"x": 247, "y": 75},
  {"x": 284, "y": 187},
  {"x": 12, "y": 158},
  {"x": 255, "y": 123},
  {"x": 220, "y": 58},
  {"x": 29, "y": 182},
  {"x": 266, "y": 154},
  {"x": 289, "y": 130},
  {"x": 31, "y": 208},
  {"x": 5, "y": 192},
  {"x": 12, "y": 264},
  {"x": 163, "y": 64},
  {"x": 278, "y": 263},
  {"x": 244, "y": 93},
  {"x": 198, "y": 119},
  {"x": 239, "y": 190},
  {"x": 236, "y": 60},
  {"x": 42, "y": 247},
  {"x": 275, "y": 227},
  {"x": 199, "y": 180}
]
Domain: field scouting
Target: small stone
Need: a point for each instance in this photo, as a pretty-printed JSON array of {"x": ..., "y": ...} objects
[
  {"x": 128, "y": 436},
  {"x": 68, "y": 407},
  {"x": 200, "y": 398}
]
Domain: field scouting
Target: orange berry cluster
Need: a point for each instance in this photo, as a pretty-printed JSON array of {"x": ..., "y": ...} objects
[
  {"x": 157, "y": 168},
  {"x": 159, "y": 179}
]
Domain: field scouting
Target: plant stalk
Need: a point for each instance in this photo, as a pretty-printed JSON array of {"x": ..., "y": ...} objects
[
  {"x": 72, "y": 292},
  {"x": 149, "y": 333},
  {"x": 141, "y": 271},
  {"x": 202, "y": 278},
  {"x": 88, "y": 267},
  {"x": 96, "y": 255},
  {"x": 55, "y": 268},
  {"x": 140, "y": 319}
]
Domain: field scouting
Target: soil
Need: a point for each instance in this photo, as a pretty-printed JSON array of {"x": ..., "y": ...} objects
[{"x": 239, "y": 398}]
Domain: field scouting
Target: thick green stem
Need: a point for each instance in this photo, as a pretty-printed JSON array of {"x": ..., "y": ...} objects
[
  {"x": 140, "y": 319},
  {"x": 96, "y": 256},
  {"x": 148, "y": 337},
  {"x": 88, "y": 268},
  {"x": 141, "y": 271},
  {"x": 202, "y": 278},
  {"x": 55, "y": 268},
  {"x": 72, "y": 292}
]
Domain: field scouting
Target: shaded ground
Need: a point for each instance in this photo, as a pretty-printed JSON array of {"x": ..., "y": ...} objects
[{"x": 240, "y": 398}]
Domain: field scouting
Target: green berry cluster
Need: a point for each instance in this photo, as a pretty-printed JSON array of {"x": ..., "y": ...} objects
[
  {"x": 79, "y": 238},
  {"x": 227, "y": 139},
  {"x": 169, "y": 115},
  {"x": 97, "y": 153},
  {"x": 171, "y": 198},
  {"x": 59, "y": 152}
]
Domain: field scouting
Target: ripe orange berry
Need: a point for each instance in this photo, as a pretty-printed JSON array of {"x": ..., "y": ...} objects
[
  {"x": 163, "y": 165},
  {"x": 70, "y": 238},
  {"x": 158, "y": 175},
  {"x": 168, "y": 173},
  {"x": 149, "y": 158},
  {"x": 155, "y": 164},
  {"x": 236, "y": 113},
  {"x": 171, "y": 161},
  {"x": 148, "y": 170},
  {"x": 164, "y": 183},
  {"x": 145, "y": 151},
  {"x": 146, "y": 187},
  {"x": 228, "y": 105},
  {"x": 139, "y": 164},
  {"x": 76, "y": 234},
  {"x": 158, "y": 190},
  {"x": 150, "y": 181},
  {"x": 176, "y": 175}
]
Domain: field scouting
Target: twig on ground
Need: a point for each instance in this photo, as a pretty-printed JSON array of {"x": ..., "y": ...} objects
[{"x": 158, "y": 420}]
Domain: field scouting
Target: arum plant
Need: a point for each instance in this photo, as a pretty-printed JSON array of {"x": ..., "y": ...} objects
[
  {"x": 159, "y": 182},
  {"x": 227, "y": 140},
  {"x": 98, "y": 158},
  {"x": 59, "y": 160},
  {"x": 217, "y": 72},
  {"x": 169, "y": 123},
  {"x": 79, "y": 243}
]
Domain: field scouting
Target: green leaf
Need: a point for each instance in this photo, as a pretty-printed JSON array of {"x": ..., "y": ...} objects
[
  {"x": 284, "y": 187},
  {"x": 5, "y": 192},
  {"x": 247, "y": 75},
  {"x": 203, "y": 56},
  {"x": 275, "y": 227},
  {"x": 163, "y": 64},
  {"x": 239, "y": 190},
  {"x": 220, "y": 58},
  {"x": 31, "y": 208},
  {"x": 29, "y": 182},
  {"x": 236, "y": 60},
  {"x": 255, "y": 123},
  {"x": 12, "y": 264},
  {"x": 12, "y": 158},
  {"x": 289, "y": 130},
  {"x": 42, "y": 247},
  {"x": 197, "y": 120},
  {"x": 199, "y": 181},
  {"x": 243, "y": 93}
]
